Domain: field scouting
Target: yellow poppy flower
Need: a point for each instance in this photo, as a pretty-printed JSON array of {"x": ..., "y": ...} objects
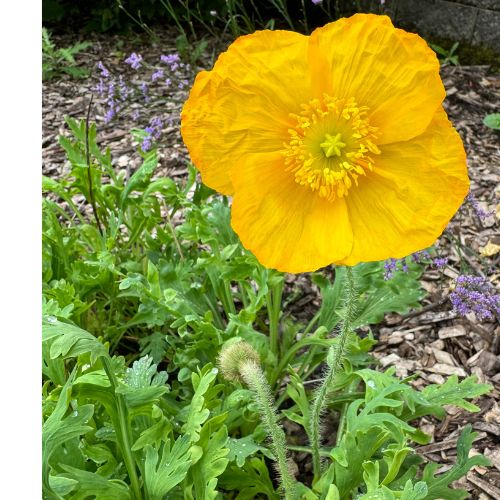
[{"x": 334, "y": 146}]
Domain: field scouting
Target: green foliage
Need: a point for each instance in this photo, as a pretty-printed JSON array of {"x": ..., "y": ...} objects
[
  {"x": 446, "y": 56},
  {"x": 137, "y": 305},
  {"x": 492, "y": 121},
  {"x": 56, "y": 62}
]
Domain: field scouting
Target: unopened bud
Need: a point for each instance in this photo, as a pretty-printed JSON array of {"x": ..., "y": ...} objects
[{"x": 233, "y": 357}]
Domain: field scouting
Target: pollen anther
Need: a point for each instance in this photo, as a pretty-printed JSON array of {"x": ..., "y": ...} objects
[{"x": 330, "y": 146}]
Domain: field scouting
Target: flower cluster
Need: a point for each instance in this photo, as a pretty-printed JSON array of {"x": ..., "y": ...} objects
[
  {"x": 481, "y": 214},
  {"x": 116, "y": 94},
  {"x": 421, "y": 257},
  {"x": 475, "y": 294},
  {"x": 153, "y": 131},
  {"x": 134, "y": 60}
]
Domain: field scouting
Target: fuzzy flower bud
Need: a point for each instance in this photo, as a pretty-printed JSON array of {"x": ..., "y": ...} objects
[{"x": 234, "y": 357}]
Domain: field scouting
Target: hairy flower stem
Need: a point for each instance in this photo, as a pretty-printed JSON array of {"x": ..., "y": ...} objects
[
  {"x": 255, "y": 379},
  {"x": 335, "y": 355}
]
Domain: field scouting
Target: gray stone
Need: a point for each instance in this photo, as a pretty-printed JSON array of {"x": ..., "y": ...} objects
[
  {"x": 482, "y": 4},
  {"x": 487, "y": 30},
  {"x": 438, "y": 18}
]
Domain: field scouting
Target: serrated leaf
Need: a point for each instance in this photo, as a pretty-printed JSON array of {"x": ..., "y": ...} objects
[
  {"x": 213, "y": 462},
  {"x": 69, "y": 341},
  {"x": 251, "y": 481},
  {"x": 455, "y": 392},
  {"x": 144, "y": 374},
  {"x": 154, "y": 345},
  {"x": 241, "y": 449},
  {"x": 92, "y": 484},
  {"x": 165, "y": 468},
  {"x": 439, "y": 486},
  {"x": 416, "y": 491},
  {"x": 58, "y": 428},
  {"x": 197, "y": 414}
]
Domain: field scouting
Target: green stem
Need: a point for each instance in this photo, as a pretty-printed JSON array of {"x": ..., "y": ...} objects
[
  {"x": 343, "y": 410},
  {"x": 335, "y": 355},
  {"x": 273, "y": 300},
  {"x": 124, "y": 433},
  {"x": 255, "y": 379}
]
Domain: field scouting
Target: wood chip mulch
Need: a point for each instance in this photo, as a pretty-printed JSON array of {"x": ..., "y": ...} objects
[{"x": 433, "y": 342}]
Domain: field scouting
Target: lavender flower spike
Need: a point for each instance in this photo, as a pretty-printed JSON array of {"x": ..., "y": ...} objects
[
  {"x": 475, "y": 294},
  {"x": 480, "y": 213},
  {"x": 134, "y": 60}
]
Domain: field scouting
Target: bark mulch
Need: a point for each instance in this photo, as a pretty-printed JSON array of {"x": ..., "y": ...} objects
[{"x": 433, "y": 342}]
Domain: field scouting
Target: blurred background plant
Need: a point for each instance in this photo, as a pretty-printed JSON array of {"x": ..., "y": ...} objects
[{"x": 59, "y": 61}]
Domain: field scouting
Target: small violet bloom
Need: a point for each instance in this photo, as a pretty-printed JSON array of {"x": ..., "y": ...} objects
[
  {"x": 440, "y": 262},
  {"x": 157, "y": 75},
  {"x": 134, "y": 60},
  {"x": 153, "y": 132},
  {"x": 480, "y": 213},
  {"x": 103, "y": 69},
  {"x": 390, "y": 266},
  {"x": 172, "y": 61},
  {"x": 316, "y": 2},
  {"x": 475, "y": 294}
]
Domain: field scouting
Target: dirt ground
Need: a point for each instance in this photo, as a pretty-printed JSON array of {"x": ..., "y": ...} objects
[{"x": 432, "y": 342}]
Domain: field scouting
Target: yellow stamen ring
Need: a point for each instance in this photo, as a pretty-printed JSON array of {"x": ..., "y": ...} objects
[{"x": 330, "y": 146}]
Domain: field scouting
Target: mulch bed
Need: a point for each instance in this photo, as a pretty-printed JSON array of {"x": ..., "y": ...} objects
[{"x": 432, "y": 342}]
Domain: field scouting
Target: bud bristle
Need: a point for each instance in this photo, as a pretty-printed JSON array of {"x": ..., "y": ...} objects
[{"x": 234, "y": 356}]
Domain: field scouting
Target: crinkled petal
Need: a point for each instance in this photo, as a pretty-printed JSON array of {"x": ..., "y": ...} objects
[
  {"x": 285, "y": 225},
  {"x": 392, "y": 72},
  {"x": 242, "y": 106},
  {"x": 416, "y": 187}
]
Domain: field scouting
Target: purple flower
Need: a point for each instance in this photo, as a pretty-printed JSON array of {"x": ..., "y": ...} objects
[
  {"x": 156, "y": 75},
  {"x": 146, "y": 143},
  {"x": 171, "y": 60},
  {"x": 168, "y": 82},
  {"x": 440, "y": 262},
  {"x": 420, "y": 256},
  {"x": 100, "y": 88},
  {"x": 123, "y": 89},
  {"x": 103, "y": 69},
  {"x": 182, "y": 84},
  {"x": 134, "y": 60},
  {"x": 153, "y": 131},
  {"x": 316, "y": 2},
  {"x": 480, "y": 213},
  {"x": 390, "y": 267},
  {"x": 475, "y": 294},
  {"x": 110, "y": 114}
]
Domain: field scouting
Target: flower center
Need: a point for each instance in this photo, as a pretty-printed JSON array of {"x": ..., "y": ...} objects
[{"x": 331, "y": 146}]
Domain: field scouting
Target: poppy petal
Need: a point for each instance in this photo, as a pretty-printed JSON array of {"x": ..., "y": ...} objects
[
  {"x": 242, "y": 106},
  {"x": 405, "y": 203},
  {"x": 281, "y": 222},
  {"x": 392, "y": 72}
]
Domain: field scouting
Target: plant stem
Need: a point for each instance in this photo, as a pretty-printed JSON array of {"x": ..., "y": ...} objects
[
  {"x": 123, "y": 431},
  {"x": 274, "y": 310},
  {"x": 335, "y": 355},
  {"x": 254, "y": 377},
  {"x": 89, "y": 167}
]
